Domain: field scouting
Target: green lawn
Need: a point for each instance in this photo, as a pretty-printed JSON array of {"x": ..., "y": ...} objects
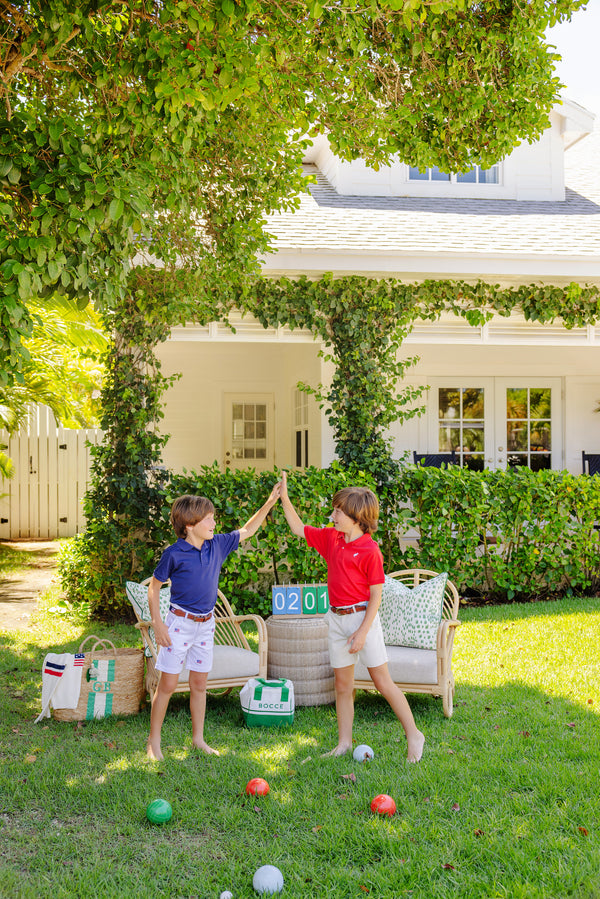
[{"x": 504, "y": 803}]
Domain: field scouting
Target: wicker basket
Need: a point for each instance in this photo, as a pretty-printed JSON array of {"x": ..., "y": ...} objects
[{"x": 119, "y": 694}]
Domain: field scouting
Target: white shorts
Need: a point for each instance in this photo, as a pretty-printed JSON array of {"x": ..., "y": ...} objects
[
  {"x": 191, "y": 645},
  {"x": 341, "y": 628}
]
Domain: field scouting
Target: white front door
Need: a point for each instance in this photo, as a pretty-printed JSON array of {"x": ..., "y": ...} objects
[
  {"x": 497, "y": 422},
  {"x": 249, "y": 419}
]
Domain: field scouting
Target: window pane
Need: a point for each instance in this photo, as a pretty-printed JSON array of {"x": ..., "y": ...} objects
[
  {"x": 415, "y": 174},
  {"x": 249, "y": 430},
  {"x": 436, "y": 175},
  {"x": 540, "y": 436},
  {"x": 516, "y": 435},
  {"x": 248, "y": 452},
  {"x": 473, "y": 462},
  {"x": 472, "y": 439},
  {"x": 489, "y": 176},
  {"x": 261, "y": 412},
  {"x": 449, "y": 403},
  {"x": 517, "y": 461},
  {"x": 516, "y": 402},
  {"x": 540, "y": 405},
  {"x": 449, "y": 438},
  {"x": 469, "y": 177},
  {"x": 237, "y": 411},
  {"x": 473, "y": 402},
  {"x": 540, "y": 462},
  {"x": 249, "y": 411},
  {"x": 261, "y": 452},
  {"x": 261, "y": 430}
]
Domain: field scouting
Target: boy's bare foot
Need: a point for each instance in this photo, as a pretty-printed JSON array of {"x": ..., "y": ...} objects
[
  {"x": 206, "y": 748},
  {"x": 334, "y": 753},
  {"x": 153, "y": 752},
  {"x": 415, "y": 747}
]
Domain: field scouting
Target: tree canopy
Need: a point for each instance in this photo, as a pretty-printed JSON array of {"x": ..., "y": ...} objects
[{"x": 139, "y": 129}]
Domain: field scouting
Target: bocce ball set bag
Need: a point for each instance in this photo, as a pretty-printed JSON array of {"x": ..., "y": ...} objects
[{"x": 267, "y": 702}]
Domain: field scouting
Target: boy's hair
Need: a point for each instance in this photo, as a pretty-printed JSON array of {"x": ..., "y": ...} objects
[
  {"x": 189, "y": 510},
  {"x": 361, "y": 505}
]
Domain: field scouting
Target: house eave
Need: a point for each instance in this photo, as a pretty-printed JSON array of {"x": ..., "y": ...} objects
[{"x": 417, "y": 266}]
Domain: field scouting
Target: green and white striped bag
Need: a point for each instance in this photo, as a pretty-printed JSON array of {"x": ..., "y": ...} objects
[{"x": 267, "y": 702}]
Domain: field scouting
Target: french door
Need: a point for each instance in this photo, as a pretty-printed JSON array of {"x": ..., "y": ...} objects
[
  {"x": 498, "y": 422},
  {"x": 248, "y": 432}
]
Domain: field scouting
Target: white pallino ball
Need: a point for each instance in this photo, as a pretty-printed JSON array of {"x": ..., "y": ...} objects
[
  {"x": 226, "y": 895},
  {"x": 362, "y": 753},
  {"x": 268, "y": 879}
]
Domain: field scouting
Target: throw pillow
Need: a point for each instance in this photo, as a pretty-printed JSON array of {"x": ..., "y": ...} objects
[
  {"x": 137, "y": 594},
  {"x": 411, "y": 617}
]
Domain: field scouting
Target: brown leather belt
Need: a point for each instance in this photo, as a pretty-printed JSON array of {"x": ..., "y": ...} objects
[
  {"x": 347, "y": 610},
  {"x": 181, "y": 614}
]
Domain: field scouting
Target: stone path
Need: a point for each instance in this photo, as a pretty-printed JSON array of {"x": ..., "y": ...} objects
[{"x": 19, "y": 593}]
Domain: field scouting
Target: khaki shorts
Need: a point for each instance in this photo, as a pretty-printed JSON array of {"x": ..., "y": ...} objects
[
  {"x": 341, "y": 628},
  {"x": 191, "y": 645}
]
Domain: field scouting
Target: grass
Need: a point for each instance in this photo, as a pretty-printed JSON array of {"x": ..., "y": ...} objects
[
  {"x": 504, "y": 803},
  {"x": 14, "y": 559}
]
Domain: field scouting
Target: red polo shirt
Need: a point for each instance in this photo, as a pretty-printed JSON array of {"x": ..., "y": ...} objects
[{"x": 352, "y": 568}]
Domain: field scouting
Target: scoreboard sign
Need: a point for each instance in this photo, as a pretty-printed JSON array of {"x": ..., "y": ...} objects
[{"x": 300, "y": 599}]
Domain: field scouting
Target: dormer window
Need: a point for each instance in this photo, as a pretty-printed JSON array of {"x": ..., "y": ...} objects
[{"x": 476, "y": 175}]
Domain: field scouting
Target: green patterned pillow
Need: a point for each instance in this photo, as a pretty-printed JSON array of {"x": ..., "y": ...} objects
[
  {"x": 137, "y": 594},
  {"x": 411, "y": 617}
]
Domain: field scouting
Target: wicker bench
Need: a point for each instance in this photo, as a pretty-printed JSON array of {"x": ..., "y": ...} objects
[{"x": 422, "y": 670}]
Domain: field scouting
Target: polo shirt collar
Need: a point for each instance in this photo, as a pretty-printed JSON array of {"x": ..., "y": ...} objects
[{"x": 186, "y": 546}]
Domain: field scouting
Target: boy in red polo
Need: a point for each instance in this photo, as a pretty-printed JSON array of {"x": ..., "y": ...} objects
[
  {"x": 193, "y": 565},
  {"x": 354, "y": 579}
]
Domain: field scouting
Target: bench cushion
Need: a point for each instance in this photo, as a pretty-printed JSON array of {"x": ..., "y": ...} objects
[
  {"x": 411, "y": 617},
  {"x": 228, "y": 662},
  {"x": 406, "y": 665}
]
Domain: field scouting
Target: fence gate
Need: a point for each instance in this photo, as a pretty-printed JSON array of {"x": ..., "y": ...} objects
[{"x": 43, "y": 498}]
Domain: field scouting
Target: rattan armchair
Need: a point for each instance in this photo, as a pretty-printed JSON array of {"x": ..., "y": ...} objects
[
  {"x": 423, "y": 670},
  {"x": 234, "y": 662}
]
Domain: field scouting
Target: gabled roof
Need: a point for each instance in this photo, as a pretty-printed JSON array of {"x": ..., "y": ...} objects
[{"x": 414, "y": 238}]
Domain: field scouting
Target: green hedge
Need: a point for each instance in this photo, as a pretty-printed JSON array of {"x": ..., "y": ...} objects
[
  {"x": 501, "y": 535},
  {"x": 517, "y": 534}
]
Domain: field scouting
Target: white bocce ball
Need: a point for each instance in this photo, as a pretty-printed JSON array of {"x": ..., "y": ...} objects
[
  {"x": 268, "y": 879},
  {"x": 362, "y": 753},
  {"x": 226, "y": 895}
]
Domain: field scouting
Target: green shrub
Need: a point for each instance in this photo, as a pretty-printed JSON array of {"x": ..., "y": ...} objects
[
  {"x": 514, "y": 534},
  {"x": 501, "y": 535}
]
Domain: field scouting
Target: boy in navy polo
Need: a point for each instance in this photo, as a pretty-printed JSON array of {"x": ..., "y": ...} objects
[
  {"x": 193, "y": 565},
  {"x": 354, "y": 579}
]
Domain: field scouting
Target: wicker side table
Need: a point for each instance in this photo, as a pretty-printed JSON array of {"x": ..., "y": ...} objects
[{"x": 298, "y": 650}]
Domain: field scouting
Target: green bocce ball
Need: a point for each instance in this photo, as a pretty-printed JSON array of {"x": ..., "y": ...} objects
[{"x": 159, "y": 811}]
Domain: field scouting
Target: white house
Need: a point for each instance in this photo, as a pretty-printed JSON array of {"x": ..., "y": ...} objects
[{"x": 508, "y": 393}]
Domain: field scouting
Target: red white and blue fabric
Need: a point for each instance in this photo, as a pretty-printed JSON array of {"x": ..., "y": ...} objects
[{"x": 61, "y": 682}]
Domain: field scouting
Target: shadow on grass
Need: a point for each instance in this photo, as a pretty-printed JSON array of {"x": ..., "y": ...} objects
[{"x": 502, "y": 804}]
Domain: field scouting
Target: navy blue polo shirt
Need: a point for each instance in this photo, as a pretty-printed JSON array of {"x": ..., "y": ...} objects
[{"x": 194, "y": 573}]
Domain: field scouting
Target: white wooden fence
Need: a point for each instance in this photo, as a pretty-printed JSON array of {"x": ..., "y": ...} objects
[{"x": 43, "y": 498}]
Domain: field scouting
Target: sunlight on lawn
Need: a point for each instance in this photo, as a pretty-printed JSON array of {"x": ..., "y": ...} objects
[{"x": 555, "y": 653}]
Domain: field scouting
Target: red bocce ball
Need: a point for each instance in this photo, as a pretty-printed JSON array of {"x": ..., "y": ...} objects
[
  {"x": 257, "y": 787},
  {"x": 383, "y": 805}
]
